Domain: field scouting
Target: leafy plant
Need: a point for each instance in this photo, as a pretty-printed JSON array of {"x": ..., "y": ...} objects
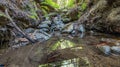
[
  {"x": 33, "y": 10},
  {"x": 52, "y": 3},
  {"x": 70, "y": 3}
]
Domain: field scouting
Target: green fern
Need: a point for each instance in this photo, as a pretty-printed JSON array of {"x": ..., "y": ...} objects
[
  {"x": 70, "y": 3},
  {"x": 52, "y": 3}
]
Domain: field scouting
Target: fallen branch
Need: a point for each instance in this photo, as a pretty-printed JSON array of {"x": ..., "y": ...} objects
[{"x": 17, "y": 28}]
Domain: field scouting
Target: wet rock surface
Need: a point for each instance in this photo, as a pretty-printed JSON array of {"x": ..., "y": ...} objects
[
  {"x": 105, "y": 49},
  {"x": 47, "y": 29},
  {"x": 115, "y": 49}
]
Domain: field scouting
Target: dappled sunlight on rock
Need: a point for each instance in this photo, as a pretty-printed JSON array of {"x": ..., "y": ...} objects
[
  {"x": 75, "y": 62},
  {"x": 62, "y": 44}
]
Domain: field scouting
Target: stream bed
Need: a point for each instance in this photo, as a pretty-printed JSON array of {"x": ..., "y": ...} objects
[{"x": 66, "y": 51}]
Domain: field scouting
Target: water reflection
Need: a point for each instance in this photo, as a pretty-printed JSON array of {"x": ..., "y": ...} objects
[
  {"x": 76, "y": 62},
  {"x": 62, "y": 44}
]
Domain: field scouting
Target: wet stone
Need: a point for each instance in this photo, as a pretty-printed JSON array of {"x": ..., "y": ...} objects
[
  {"x": 68, "y": 28},
  {"x": 81, "y": 28},
  {"x": 41, "y": 35},
  {"x": 115, "y": 49},
  {"x": 47, "y": 21},
  {"x": 43, "y": 26},
  {"x": 20, "y": 44},
  {"x": 45, "y": 29},
  {"x": 29, "y": 30},
  {"x": 105, "y": 49},
  {"x": 58, "y": 24}
]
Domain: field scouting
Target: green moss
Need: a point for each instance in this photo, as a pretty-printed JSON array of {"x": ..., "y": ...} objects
[{"x": 84, "y": 6}]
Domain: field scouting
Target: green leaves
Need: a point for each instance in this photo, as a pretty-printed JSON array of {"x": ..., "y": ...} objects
[
  {"x": 70, "y": 3},
  {"x": 52, "y": 3},
  {"x": 31, "y": 8},
  {"x": 48, "y": 6}
]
